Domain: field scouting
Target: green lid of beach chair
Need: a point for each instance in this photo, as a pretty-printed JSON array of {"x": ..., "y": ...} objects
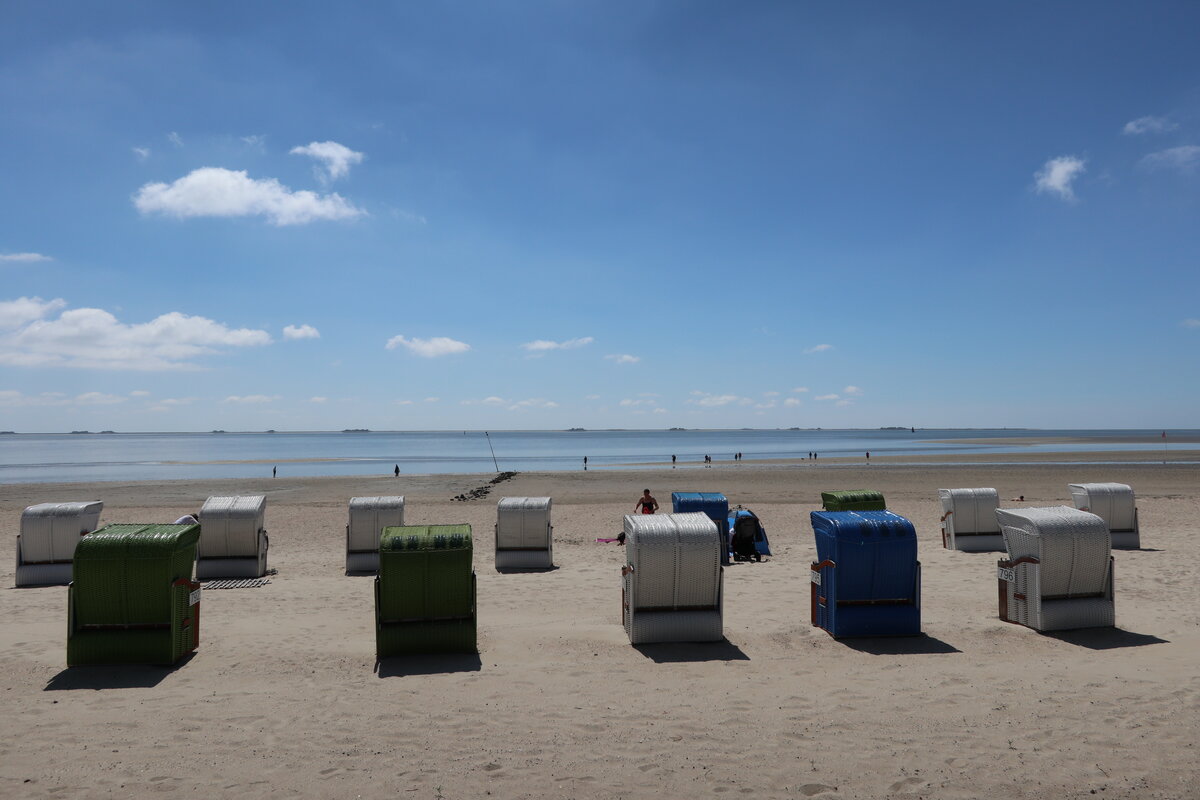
[
  {"x": 131, "y": 597},
  {"x": 425, "y": 590},
  {"x": 853, "y": 500}
]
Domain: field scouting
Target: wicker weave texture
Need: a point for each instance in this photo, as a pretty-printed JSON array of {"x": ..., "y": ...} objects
[
  {"x": 970, "y": 511},
  {"x": 1072, "y": 546},
  {"x": 661, "y": 626},
  {"x": 523, "y": 523},
  {"x": 230, "y": 526},
  {"x": 1112, "y": 502},
  {"x": 853, "y": 500},
  {"x": 425, "y": 572},
  {"x": 368, "y": 517},
  {"x": 525, "y": 559},
  {"x": 50, "y": 531},
  {"x": 122, "y": 572}
]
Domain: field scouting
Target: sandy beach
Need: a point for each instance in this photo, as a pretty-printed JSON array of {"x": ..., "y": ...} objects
[{"x": 283, "y": 698}]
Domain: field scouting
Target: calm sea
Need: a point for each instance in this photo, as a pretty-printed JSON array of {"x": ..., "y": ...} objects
[{"x": 49, "y": 458}]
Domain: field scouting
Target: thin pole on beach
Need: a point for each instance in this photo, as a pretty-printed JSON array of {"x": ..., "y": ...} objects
[{"x": 494, "y": 463}]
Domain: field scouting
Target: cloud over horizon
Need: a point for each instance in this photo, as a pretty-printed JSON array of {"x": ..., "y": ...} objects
[
  {"x": 540, "y": 346},
  {"x": 301, "y": 332},
  {"x": 1183, "y": 159},
  {"x": 428, "y": 348},
  {"x": 1056, "y": 176},
  {"x": 334, "y": 160},
  {"x": 1149, "y": 125},
  {"x": 25, "y": 258}
]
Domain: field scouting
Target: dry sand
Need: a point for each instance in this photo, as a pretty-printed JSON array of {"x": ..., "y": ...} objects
[{"x": 282, "y": 698}]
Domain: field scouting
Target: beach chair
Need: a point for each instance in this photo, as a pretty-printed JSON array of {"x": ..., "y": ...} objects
[
  {"x": 368, "y": 517},
  {"x": 867, "y": 579},
  {"x": 853, "y": 500},
  {"x": 711, "y": 504},
  {"x": 48, "y": 537},
  {"x": 969, "y": 520},
  {"x": 132, "y": 599},
  {"x": 524, "y": 535},
  {"x": 233, "y": 541},
  {"x": 1114, "y": 503},
  {"x": 673, "y": 583},
  {"x": 425, "y": 591},
  {"x": 1059, "y": 570}
]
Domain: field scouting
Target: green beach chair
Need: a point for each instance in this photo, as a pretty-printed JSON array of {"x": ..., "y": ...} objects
[
  {"x": 425, "y": 591},
  {"x": 853, "y": 500},
  {"x": 133, "y": 600}
]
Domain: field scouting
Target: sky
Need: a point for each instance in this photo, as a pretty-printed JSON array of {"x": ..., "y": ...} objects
[{"x": 598, "y": 213}]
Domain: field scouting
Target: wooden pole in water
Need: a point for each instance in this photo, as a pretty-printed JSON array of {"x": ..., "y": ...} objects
[{"x": 494, "y": 463}]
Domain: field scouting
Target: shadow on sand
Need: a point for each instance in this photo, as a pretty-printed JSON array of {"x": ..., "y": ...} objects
[
  {"x": 113, "y": 676},
  {"x": 440, "y": 664},
  {"x": 674, "y": 652},
  {"x": 525, "y": 570},
  {"x": 900, "y": 645},
  {"x": 1105, "y": 638}
]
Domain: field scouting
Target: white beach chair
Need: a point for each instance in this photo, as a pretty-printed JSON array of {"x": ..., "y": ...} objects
[
  {"x": 969, "y": 520},
  {"x": 368, "y": 517},
  {"x": 1115, "y": 504},
  {"x": 46, "y": 543},
  {"x": 524, "y": 535},
  {"x": 233, "y": 541},
  {"x": 673, "y": 583},
  {"x": 1059, "y": 571}
]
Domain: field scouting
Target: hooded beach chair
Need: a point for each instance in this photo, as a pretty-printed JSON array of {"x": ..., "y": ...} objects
[
  {"x": 133, "y": 600},
  {"x": 713, "y": 505},
  {"x": 368, "y": 517},
  {"x": 1114, "y": 503},
  {"x": 853, "y": 500},
  {"x": 524, "y": 535},
  {"x": 425, "y": 591},
  {"x": 233, "y": 541},
  {"x": 969, "y": 520},
  {"x": 1059, "y": 570},
  {"x": 867, "y": 579},
  {"x": 48, "y": 537},
  {"x": 672, "y": 585}
]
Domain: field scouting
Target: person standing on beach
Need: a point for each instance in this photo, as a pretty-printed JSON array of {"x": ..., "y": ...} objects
[
  {"x": 585, "y": 463},
  {"x": 397, "y": 470},
  {"x": 646, "y": 503},
  {"x": 274, "y": 470},
  {"x": 672, "y": 461},
  {"x": 868, "y": 456}
]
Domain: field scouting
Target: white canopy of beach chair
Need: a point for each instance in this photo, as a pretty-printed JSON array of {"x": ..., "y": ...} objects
[
  {"x": 1115, "y": 504},
  {"x": 49, "y": 534},
  {"x": 969, "y": 520},
  {"x": 233, "y": 538},
  {"x": 524, "y": 535},
  {"x": 368, "y": 517}
]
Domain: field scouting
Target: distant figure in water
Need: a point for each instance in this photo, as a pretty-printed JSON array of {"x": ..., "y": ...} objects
[
  {"x": 672, "y": 461},
  {"x": 868, "y": 455},
  {"x": 646, "y": 503},
  {"x": 274, "y": 470},
  {"x": 585, "y": 463},
  {"x": 397, "y": 470}
]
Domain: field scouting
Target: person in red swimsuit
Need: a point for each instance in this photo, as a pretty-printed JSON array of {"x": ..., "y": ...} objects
[{"x": 646, "y": 503}]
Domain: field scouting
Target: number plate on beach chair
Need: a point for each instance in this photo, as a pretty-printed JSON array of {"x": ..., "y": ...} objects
[{"x": 1006, "y": 574}]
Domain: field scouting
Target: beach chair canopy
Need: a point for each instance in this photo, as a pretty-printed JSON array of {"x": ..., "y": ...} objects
[
  {"x": 523, "y": 523},
  {"x": 50, "y": 531},
  {"x": 1112, "y": 502},
  {"x": 853, "y": 500},
  {"x": 368, "y": 517},
  {"x": 970, "y": 511},
  {"x": 425, "y": 591},
  {"x": 712, "y": 504},
  {"x": 1072, "y": 546},
  {"x": 875, "y": 553},
  {"x": 676, "y": 560},
  {"x": 230, "y": 526}
]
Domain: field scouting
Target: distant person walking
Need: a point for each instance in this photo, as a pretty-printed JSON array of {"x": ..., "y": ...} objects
[
  {"x": 585, "y": 463},
  {"x": 397, "y": 470},
  {"x": 274, "y": 471},
  {"x": 868, "y": 456},
  {"x": 646, "y": 503},
  {"x": 672, "y": 461}
]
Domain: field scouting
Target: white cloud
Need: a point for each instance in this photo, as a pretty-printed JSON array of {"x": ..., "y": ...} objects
[
  {"x": 826, "y": 397},
  {"x": 334, "y": 159},
  {"x": 1149, "y": 125},
  {"x": 770, "y": 394},
  {"x": 1191, "y": 323},
  {"x": 27, "y": 258},
  {"x": 15, "y": 313},
  {"x": 428, "y": 348},
  {"x": 257, "y": 140},
  {"x": 10, "y": 398},
  {"x": 251, "y": 399},
  {"x": 792, "y": 401},
  {"x": 841, "y": 403},
  {"x": 98, "y": 399},
  {"x": 318, "y": 400},
  {"x": 630, "y": 402},
  {"x": 301, "y": 332},
  {"x": 1057, "y": 174},
  {"x": 139, "y": 393},
  {"x": 1183, "y": 159},
  {"x": 818, "y": 348},
  {"x": 623, "y": 358},
  {"x": 404, "y": 402},
  {"x": 219, "y": 192},
  {"x": 142, "y": 153},
  {"x": 493, "y": 401},
  {"x": 175, "y": 139},
  {"x": 854, "y": 390},
  {"x": 711, "y": 400},
  {"x": 800, "y": 389},
  {"x": 535, "y": 402},
  {"x": 176, "y": 401},
  {"x": 542, "y": 345},
  {"x": 95, "y": 339},
  {"x": 659, "y": 411},
  {"x": 432, "y": 399}
]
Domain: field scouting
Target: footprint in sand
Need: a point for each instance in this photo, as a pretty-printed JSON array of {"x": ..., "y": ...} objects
[
  {"x": 814, "y": 789},
  {"x": 906, "y": 785}
]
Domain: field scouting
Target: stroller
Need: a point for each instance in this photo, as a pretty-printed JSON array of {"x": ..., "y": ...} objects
[{"x": 748, "y": 539}]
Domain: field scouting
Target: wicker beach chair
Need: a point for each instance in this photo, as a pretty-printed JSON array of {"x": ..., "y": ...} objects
[
  {"x": 524, "y": 535},
  {"x": 47, "y": 541},
  {"x": 368, "y": 517},
  {"x": 1115, "y": 504},
  {"x": 673, "y": 583},
  {"x": 133, "y": 600},
  {"x": 969, "y": 520},
  {"x": 425, "y": 591},
  {"x": 1059, "y": 570},
  {"x": 233, "y": 541},
  {"x": 853, "y": 500},
  {"x": 713, "y": 505},
  {"x": 867, "y": 579}
]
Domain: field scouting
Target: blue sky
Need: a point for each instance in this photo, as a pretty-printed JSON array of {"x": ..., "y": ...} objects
[{"x": 308, "y": 216}]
